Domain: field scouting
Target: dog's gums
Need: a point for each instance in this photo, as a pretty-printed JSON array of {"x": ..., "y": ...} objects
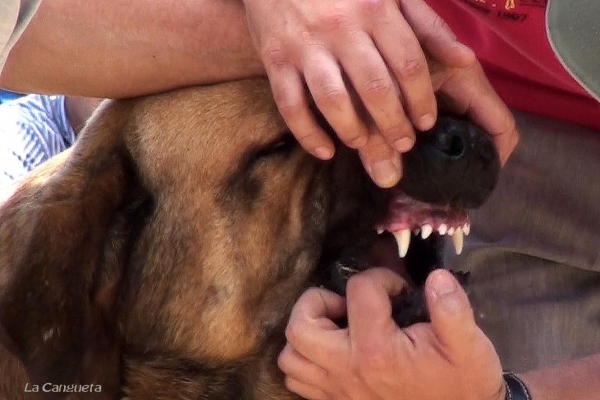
[{"x": 407, "y": 217}]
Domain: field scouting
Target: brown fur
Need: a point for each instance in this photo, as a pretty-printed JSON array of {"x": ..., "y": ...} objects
[{"x": 161, "y": 258}]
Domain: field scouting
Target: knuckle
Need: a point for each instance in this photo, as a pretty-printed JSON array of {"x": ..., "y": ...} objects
[
  {"x": 374, "y": 364},
  {"x": 372, "y": 5},
  {"x": 439, "y": 25},
  {"x": 370, "y": 363},
  {"x": 353, "y": 136},
  {"x": 328, "y": 93},
  {"x": 334, "y": 19},
  {"x": 411, "y": 69},
  {"x": 439, "y": 32},
  {"x": 331, "y": 96},
  {"x": 309, "y": 139},
  {"x": 377, "y": 86},
  {"x": 289, "y": 106},
  {"x": 396, "y": 131},
  {"x": 294, "y": 332},
  {"x": 273, "y": 55}
]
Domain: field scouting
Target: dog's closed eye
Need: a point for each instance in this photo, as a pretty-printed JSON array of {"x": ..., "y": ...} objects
[{"x": 282, "y": 146}]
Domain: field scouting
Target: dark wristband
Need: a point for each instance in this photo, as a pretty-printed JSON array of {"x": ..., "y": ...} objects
[{"x": 515, "y": 388}]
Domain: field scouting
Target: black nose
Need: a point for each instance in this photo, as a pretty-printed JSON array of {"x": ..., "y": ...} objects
[{"x": 453, "y": 163}]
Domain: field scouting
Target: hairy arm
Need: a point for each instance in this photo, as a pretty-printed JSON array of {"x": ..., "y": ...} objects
[{"x": 130, "y": 48}]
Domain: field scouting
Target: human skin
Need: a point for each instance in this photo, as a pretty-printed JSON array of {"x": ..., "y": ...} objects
[
  {"x": 79, "y": 110},
  {"x": 447, "y": 359},
  {"x": 118, "y": 48}
]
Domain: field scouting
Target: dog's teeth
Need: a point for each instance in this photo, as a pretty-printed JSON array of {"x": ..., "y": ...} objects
[
  {"x": 416, "y": 231},
  {"x": 458, "y": 240},
  {"x": 450, "y": 231},
  {"x": 467, "y": 229},
  {"x": 380, "y": 231},
  {"x": 442, "y": 229},
  {"x": 403, "y": 240},
  {"x": 426, "y": 231}
]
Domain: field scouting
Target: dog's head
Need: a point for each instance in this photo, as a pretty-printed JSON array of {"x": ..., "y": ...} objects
[{"x": 174, "y": 238}]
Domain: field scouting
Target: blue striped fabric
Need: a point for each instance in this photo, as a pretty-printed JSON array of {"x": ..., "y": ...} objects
[{"x": 32, "y": 129}]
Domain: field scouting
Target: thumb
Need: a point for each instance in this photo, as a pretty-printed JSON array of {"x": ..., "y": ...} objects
[{"x": 452, "y": 317}]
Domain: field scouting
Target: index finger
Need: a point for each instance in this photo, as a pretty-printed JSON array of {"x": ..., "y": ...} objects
[
  {"x": 370, "y": 309},
  {"x": 500, "y": 123},
  {"x": 311, "y": 331},
  {"x": 471, "y": 94}
]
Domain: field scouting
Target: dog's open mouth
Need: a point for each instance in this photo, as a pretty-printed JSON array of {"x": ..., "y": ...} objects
[
  {"x": 409, "y": 240},
  {"x": 452, "y": 168},
  {"x": 407, "y": 218}
]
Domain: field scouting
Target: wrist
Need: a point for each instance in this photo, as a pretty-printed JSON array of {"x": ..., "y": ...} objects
[{"x": 514, "y": 388}]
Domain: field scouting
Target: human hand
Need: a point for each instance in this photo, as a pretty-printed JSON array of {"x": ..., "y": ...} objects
[
  {"x": 364, "y": 65},
  {"x": 448, "y": 359},
  {"x": 466, "y": 91}
]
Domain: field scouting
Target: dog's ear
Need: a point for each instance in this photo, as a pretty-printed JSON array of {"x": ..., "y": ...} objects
[{"x": 64, "y": 237}]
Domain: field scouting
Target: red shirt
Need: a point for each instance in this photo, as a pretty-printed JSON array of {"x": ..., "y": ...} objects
[{"x": 509, "y": 38}]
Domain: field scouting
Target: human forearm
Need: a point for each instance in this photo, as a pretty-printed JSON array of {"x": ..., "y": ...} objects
[
  {"x": 573, "y": 380},
  {"x": 130, "y": 48}
]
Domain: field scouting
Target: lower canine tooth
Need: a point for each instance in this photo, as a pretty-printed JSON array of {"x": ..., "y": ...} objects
[
  {"x": 458, "y": 240},
  {"x": 403, "y": 240},
  {"x": 426, "y": 231}
]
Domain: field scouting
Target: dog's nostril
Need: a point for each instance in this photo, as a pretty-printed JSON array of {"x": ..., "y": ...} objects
[{"x": 454, "y": 146}]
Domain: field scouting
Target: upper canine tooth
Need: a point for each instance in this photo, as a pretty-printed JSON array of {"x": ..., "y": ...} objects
[
  {"x": 442, "y": 229},
  {"x": 426, "y": 231},
  {"x": 403, "y": 240},
  {"x": 380, "y": 231},
  {"x": 458, "y": 240},
  {"x": 467, "y": 229}
]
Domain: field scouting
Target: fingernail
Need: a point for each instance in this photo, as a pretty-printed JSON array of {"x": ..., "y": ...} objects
[
  {"x": 324, "y": 153},
  {"x": 426, "y": 122},
  {"x": 404, "y": 144},
  {"x": 442, "y": 284},
  {"x": 386, "y": 173}
]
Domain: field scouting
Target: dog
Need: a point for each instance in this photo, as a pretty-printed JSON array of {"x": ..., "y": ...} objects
[{"x": 161, "y": 256}]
